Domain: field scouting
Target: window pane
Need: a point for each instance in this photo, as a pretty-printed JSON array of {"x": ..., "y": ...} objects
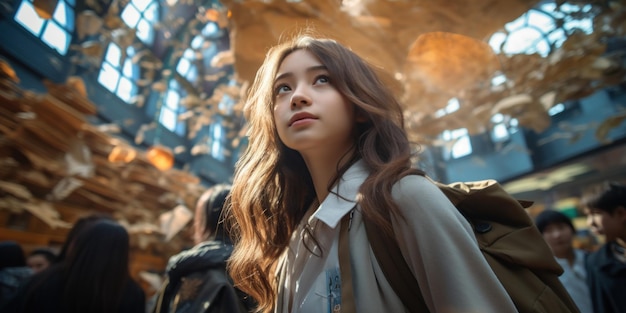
[
  {"x": 462, "y": 147},
  {"x": 64, "y": 15},
  {"x": 197, "y": 41},
  {"x": 181, "y": 129},
  {"x": 522, "y": 41},
  {"x": 108, "y": 77},
  {"x": 131, "y": 16},
  {"x": 171, "y": 100},
  {"x": 126, "y": 89},
  {"x": 216, "y": 142},
  {"x": 541, "y": 20},
  {"x": 497, "y": 118},
  {"x": 129, "y": 69},
  {"x": 209, "y": 30},
  {"x": 556, "y": 109},
  {"x": 113, "y": 55},
  {"x": 150, "y": 14},
  {"x": 56, "y": 37},
  {"x": 192, "y": 75},
  {"x": 141, "y": 4},
  {"x": 144, "y": 31},
  {"x": 183, "y": 67},
  {"x": 189, "y": 54},
  {"x": 167, "y": 118},
  {"x": 27, "y": 16},
  {"x": 500, "y": 133}
]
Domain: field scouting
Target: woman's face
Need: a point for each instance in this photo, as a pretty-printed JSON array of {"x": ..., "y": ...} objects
[{"x": 311, "y": 115}]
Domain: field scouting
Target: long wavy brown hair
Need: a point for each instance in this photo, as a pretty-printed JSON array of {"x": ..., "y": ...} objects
[{"x": 272, "y": 187}]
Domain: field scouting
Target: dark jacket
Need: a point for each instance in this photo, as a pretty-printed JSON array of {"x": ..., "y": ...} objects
[
  {"x": 607, "y": 281},
  {"x": 10, "y": 280},
  {"x": 197, "y": 282}
]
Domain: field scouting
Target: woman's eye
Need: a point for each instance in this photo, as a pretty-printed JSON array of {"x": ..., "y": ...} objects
[
  {"x": 322, "y": 79},
  {"x": 281, "y": 88}
]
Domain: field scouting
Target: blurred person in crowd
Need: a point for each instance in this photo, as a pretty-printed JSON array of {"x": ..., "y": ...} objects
[
  {"x": 605, "y": 206},
  {"x": 79, "y": 225},
  {"x": 40, "y": 259},
  {"x": 558, "y": 231},
  {"x": 13, "y": 270},
  {"x": 93, "y": 277},
  {"x": 196, "y": 278}
]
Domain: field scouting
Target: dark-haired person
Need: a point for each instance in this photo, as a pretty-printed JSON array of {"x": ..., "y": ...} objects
[
  {"x": 40, "y": 259},
  {"x": 78, "y": 226},
  {"x": 558, "y": 231},
  {"x": 93, "y": 277},
  {"x": 605, "y": 207},
  {"x": 13, "y": 270},
  {"x": 196, "y": 278}
]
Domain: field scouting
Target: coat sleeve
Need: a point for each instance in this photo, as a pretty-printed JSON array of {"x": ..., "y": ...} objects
[{"x": 441, "y": 250}]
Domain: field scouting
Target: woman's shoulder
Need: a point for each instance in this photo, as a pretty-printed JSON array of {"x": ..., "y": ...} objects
[
  {"x": 414, "y": 185},
  {"x": 417, "y": 193}
]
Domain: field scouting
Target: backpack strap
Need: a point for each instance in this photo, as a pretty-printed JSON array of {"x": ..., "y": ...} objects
[
  {"x": 395, "y": 268},
  {"x": 345, "y": 268}
]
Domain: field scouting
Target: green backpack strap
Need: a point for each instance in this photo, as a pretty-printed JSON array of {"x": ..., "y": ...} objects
[{"x": 395, "y": 268}]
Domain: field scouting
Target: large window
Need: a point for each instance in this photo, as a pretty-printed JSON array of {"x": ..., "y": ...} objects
[
  {"x": 542, "y": 29},
  {"x": 142, "y": 15},
  {"x": 118, "y": 74},
  {"x": 194, "y": 62},
  {"x": 55, "y": 32}
]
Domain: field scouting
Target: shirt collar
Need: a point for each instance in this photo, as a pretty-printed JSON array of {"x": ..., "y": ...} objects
[{"x": 343, "y": 196}]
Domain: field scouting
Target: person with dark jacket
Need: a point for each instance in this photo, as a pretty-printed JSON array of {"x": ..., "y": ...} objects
[
  {"x": 196, "y": 278},
  {"x": 606, "y": 267}
]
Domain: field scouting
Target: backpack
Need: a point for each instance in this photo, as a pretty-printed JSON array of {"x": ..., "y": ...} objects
[{"x": 507, "y": 237}]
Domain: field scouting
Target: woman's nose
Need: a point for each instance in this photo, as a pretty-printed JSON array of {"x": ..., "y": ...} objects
[{"x": 300, "y": 98}]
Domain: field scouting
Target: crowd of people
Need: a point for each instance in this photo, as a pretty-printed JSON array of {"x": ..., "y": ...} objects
[{"x": 327, "y": 148}]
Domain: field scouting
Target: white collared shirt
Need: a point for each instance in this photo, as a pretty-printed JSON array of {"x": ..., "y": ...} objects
[{"x": 313, "y": 281}]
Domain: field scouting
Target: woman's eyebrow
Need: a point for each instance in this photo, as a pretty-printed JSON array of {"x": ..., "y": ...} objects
[{"x": 310, "y": 69}]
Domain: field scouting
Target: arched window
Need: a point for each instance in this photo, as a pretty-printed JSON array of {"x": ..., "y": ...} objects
[
  {"x": 119, "y": 75},
  {"x": 55, "y": 32},
  {"x": 171, "y": 108},
  {"x": 142, "y": 15}
]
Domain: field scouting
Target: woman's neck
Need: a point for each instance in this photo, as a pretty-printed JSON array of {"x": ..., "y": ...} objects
[{"x": 323, "y": 170}]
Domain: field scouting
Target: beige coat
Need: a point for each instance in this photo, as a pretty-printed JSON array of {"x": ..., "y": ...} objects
[{"x": 450, "y": 269}]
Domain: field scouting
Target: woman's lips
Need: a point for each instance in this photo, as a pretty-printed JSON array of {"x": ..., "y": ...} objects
[{"x": 301, "y": 117}]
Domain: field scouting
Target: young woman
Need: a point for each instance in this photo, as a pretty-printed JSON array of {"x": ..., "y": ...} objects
[{"x": 326, "y": 143}]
